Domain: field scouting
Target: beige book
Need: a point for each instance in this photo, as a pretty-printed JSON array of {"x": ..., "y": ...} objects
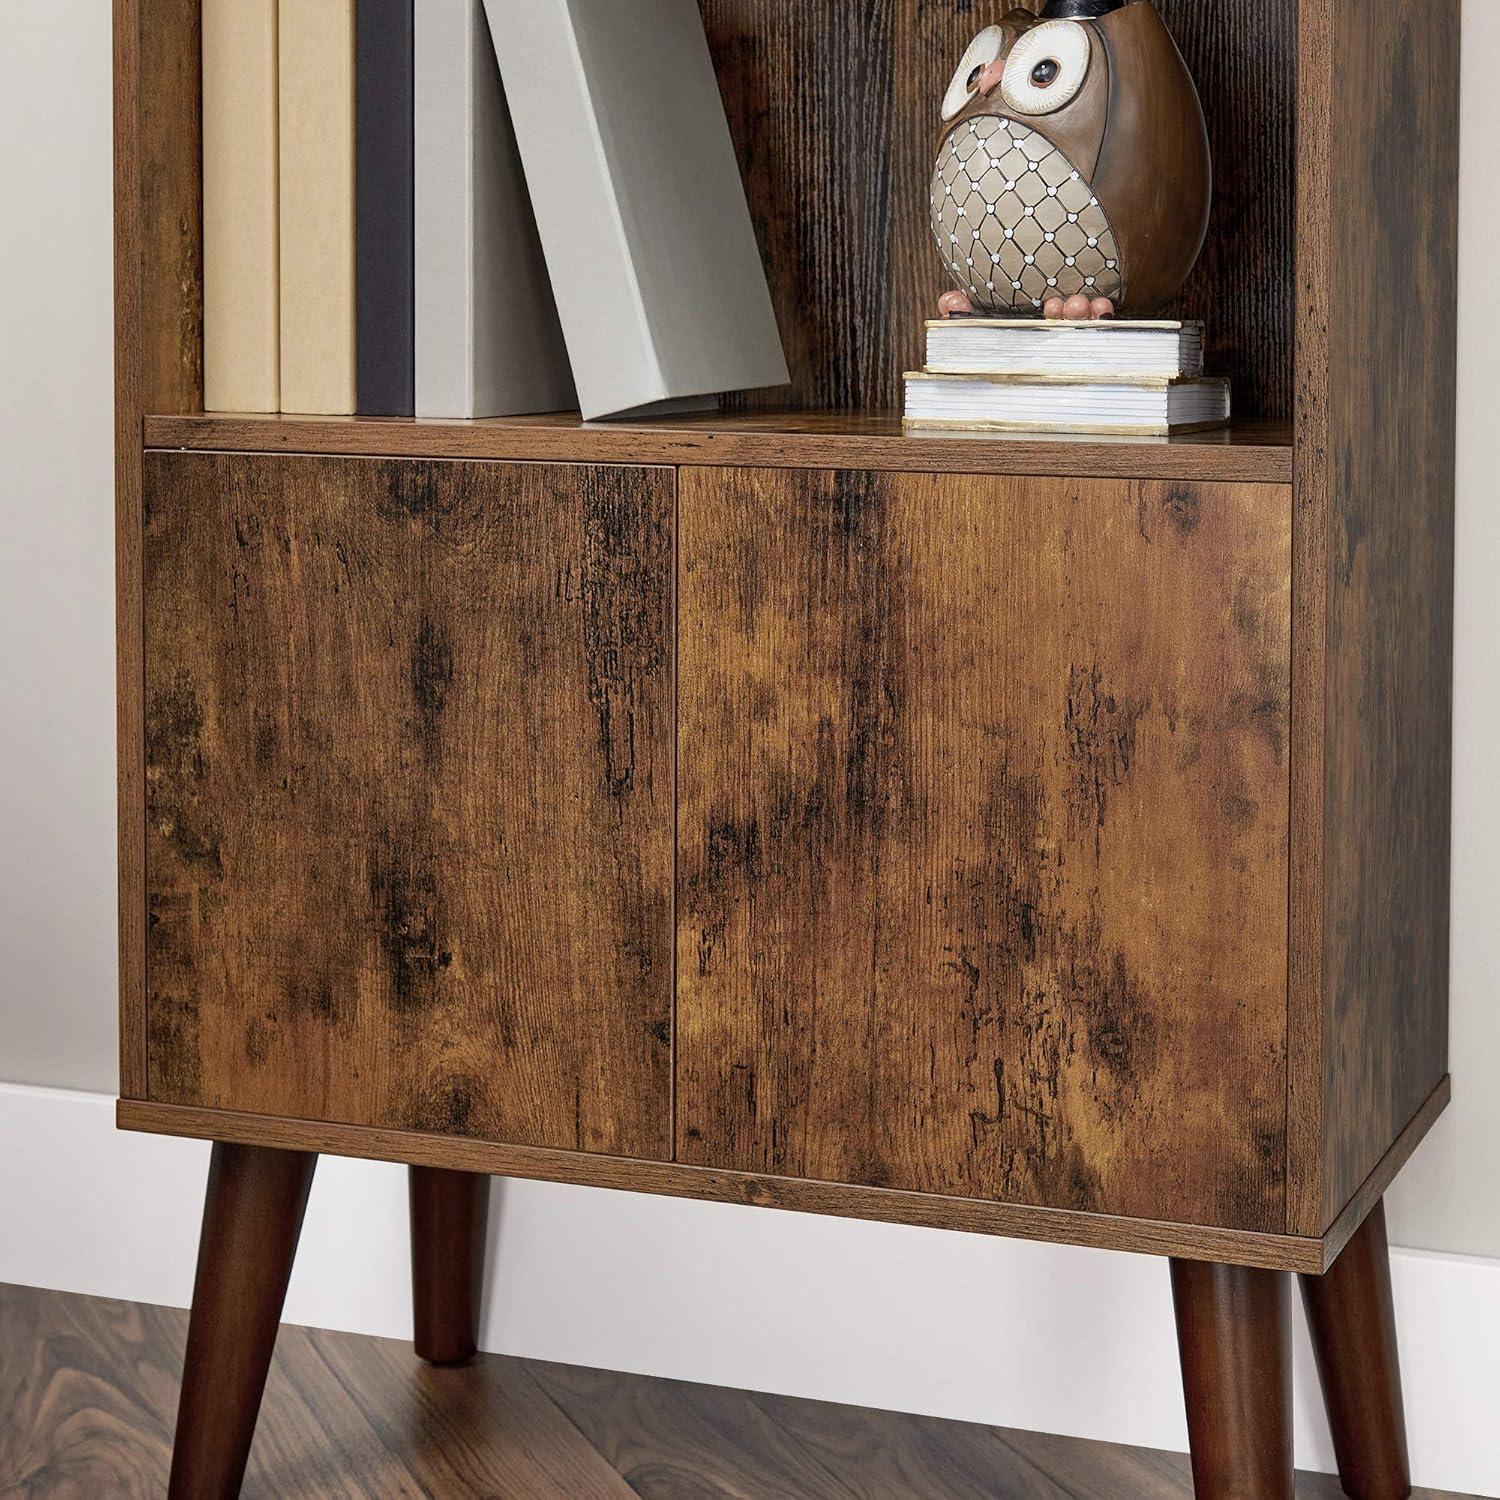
[
  {"x": 316, "y": 84},
  {"x": 241, "y": 297}
]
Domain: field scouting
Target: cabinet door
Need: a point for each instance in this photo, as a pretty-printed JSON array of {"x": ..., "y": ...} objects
[
  {"x": 983, "y": 837},
  {"x": 409, "y": 764}
]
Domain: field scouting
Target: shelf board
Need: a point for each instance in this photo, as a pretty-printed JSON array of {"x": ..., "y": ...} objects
[{"x": 1247, "y": 452}]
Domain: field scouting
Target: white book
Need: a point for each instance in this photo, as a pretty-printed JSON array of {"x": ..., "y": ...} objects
[
  {"x": 1022, "y": 346},
  {"x": 315, "y": 85},
  {"x": 1059, "y": 403},
  {"x": 638, "y": 197},
  {"x": 241, "y": 291},
  {"x": 487, "y": 338}
]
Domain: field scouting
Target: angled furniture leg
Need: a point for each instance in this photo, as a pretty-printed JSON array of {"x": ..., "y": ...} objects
[
  {"x": 448, "y": 1214},
  {"x": 1352, "y": 1319},
  {"x": 252, "y": 1216},
  {"x": 1234, "y": 1333}
]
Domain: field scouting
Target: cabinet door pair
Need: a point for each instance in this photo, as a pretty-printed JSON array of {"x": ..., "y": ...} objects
[{"x": 926, "y": 831}]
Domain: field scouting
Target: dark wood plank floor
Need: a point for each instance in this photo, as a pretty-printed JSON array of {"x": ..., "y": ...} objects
[{"x": 88, "y": 1389}]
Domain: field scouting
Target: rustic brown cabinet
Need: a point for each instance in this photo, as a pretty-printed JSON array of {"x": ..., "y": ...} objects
[
  {"x": 1040, "y": 838},
  {"x": 971, "y": 771}
]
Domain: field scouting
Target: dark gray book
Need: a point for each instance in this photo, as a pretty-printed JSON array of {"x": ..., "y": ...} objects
[{"x": 385, "y": 349}]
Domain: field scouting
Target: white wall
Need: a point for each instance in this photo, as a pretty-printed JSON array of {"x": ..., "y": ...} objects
[
  {"x": 57, "y": 718},
  {"x": 57, "y": 938}
]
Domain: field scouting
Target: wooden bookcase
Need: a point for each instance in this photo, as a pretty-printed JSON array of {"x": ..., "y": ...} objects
[{"x": 1045, "y": 838}]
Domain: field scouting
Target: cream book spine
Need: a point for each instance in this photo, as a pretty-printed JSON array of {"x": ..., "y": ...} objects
[
  {"x": 315, "y": 48},
  {"x": 241, "y": 292}
]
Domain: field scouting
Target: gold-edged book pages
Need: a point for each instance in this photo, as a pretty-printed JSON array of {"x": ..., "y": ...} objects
[{"x": 1108, "y": 407}]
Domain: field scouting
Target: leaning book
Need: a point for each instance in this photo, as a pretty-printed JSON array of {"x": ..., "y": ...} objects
[{"x": 638, "y": 196}]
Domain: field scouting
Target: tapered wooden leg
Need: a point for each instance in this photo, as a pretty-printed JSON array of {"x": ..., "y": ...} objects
[
  {"x": 448, "y": 1213},
  {"x": 1234, "y": 1332},
  {"x": 1352, "y": 1319},
  {"x": 251, "y": 1219}
]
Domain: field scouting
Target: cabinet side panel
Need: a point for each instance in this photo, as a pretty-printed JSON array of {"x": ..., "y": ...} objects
[
  {"x": 982, "y": 837},
  {"x": 1375, "y": 466},
  {"x": 171, "y": 197},
  {"x": 131, "y": 776},
  {"x": 409, "y": 769}
]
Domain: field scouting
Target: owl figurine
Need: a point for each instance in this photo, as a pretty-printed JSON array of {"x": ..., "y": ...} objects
[{"x": 1072, "y": 174}]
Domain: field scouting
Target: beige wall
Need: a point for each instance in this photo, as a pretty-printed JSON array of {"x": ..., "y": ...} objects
[{"x": 57, "y": 951}]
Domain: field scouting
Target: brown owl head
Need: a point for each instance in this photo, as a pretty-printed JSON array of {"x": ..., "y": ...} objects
[{"x": 1073, "y": 158}]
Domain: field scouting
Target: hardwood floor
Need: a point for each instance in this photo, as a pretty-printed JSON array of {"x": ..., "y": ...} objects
[{"x": 88, "y": 1388}]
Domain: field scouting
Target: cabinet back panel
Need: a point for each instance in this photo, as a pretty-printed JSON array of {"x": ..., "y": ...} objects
[
  {"x": 409, "y": 781},
  {"x": 983, "y": 837},
  {"x": 834, "y": 109}
]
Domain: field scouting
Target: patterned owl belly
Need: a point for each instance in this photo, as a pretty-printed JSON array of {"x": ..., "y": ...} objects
[{"x": 1015, "y": 222}]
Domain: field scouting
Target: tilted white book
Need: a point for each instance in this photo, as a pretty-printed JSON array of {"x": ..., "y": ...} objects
[
  {"x": 638, "y": 197},
  {"x": 486, "y": 333}
]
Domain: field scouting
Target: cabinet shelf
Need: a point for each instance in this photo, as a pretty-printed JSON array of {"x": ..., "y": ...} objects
[{"x": 1249, "y": 452}]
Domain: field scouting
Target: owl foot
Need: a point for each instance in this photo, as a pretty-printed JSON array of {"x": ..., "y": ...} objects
[
  {"x": 954, "y": 305},
  {"x": 1078, "y": 308}
]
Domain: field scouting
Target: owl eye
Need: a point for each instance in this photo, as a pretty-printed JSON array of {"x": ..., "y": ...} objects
[
  {"x": 1046, "y": 67},
  {"x": 982, "y": 51}
]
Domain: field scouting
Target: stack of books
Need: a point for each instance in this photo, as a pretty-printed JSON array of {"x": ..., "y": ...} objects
[
  {"x": 1115, "y": 378},
  {"x": 401, "y": 218}
]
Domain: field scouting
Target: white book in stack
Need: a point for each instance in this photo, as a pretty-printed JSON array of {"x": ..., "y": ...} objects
[{"x": 1115, "y": 377}]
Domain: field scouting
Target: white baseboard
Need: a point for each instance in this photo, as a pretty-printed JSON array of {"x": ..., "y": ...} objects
[{"x": 1045, "y": 1337}]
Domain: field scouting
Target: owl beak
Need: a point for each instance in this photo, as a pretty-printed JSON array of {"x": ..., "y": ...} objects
[{"x": 989, "y": 80}]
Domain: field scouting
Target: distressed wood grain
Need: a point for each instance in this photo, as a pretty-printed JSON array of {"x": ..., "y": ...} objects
[
  {"x": 982, "y": 849},
  {"x": 409, "y": 781}
]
